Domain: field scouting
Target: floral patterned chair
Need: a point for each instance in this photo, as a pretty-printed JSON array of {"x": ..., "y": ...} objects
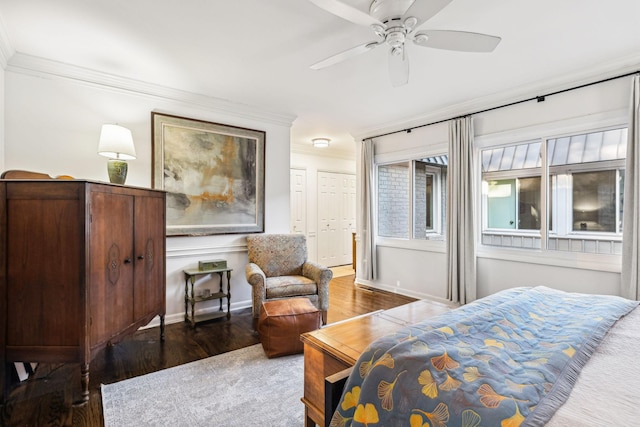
[{"x": 278, "y": 269}]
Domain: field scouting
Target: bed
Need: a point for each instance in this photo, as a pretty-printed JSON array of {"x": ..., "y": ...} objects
[{"x": 521, "y": 357}]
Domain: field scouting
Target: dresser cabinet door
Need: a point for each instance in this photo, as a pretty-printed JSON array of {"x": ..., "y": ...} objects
[
  {"x": 112, "y": 265},
  {"x": 45, "y": 231},
  {"x": 149, "y": 233}
]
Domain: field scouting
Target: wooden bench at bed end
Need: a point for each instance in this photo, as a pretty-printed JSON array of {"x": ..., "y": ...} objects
[{"x": 335, "y": 348}]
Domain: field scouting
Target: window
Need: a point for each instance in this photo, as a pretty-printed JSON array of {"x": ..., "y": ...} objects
[
  {"x": 411, "y": 198},
  {"x": 584, "y": 186}
]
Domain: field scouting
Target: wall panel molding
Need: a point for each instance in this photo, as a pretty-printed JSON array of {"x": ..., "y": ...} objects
[{"x": 196, "y": 251}]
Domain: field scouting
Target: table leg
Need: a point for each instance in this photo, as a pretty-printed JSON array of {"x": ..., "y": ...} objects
[
  {"x": 186, "y": 299},
  {"x": 308, "y": 422},
  {"x": 228, "y": 295},
  {"x": 162, "y": 328},
  {"x": 221, "y": 277},
  {"x": 193, "y": 302},
  {"x": 84, "y": 384}
]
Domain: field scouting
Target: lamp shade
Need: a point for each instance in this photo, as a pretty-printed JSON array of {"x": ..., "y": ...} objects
[{"x": 116, "y": 142}]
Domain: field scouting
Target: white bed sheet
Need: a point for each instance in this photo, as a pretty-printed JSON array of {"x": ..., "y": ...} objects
[{"x": 607, "y": 392}]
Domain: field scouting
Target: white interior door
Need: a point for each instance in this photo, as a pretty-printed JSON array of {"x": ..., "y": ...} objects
[
  {"x": 328, "y": 214},
  {"x": 336, "y": 217},
  {"x": 347, "y": 217},
  {"x": 298, "y": 201}
]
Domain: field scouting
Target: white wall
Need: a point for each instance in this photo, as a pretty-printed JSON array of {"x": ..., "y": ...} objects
[
  {"x": 314, "y": 162},
  {"x": 53, "y": 125},
  {"x": 418, "y": 268},
  {"x": 2, "y": 115}
]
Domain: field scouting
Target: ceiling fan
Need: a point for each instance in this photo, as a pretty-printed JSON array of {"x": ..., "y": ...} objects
[{"x": 396, "y": 22}]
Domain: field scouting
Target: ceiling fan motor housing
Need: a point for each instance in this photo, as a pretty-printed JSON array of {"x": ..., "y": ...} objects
[
  {"x": 384, "y": 10},
  {"x": 395, "y": 37}
]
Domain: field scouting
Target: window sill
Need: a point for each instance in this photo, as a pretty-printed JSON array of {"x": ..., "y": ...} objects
[
  {"x": 579, "y": 260},
  {"x": 413, "y": 244}
]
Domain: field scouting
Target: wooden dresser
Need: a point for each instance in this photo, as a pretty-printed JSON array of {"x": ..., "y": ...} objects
[
  {"x": 337, "y": 347},
  {"x": 82, "y": 264}
]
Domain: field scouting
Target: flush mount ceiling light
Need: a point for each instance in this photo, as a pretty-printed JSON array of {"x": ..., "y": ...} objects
[{"x": 321, "y": 142}]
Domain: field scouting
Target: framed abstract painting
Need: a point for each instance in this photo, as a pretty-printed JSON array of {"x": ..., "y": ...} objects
[{"x": 213, "y": 175}]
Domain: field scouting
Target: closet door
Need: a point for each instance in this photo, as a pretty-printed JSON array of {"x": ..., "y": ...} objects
[
  {"x": 298, "y": 201},
  {"x": 347, "y": 217},
  {"x": 328, "y": 214},
  {"x": 336, "y": 217}
]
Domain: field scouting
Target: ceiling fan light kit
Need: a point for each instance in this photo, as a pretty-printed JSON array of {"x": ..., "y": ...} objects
[{"x": 395, "y": 22}]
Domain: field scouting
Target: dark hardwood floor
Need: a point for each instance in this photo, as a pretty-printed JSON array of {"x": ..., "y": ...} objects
[{"x": 46, "y": 398}]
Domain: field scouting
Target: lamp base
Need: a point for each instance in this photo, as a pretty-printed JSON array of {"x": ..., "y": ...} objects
[{"x": 117, "y": 169}]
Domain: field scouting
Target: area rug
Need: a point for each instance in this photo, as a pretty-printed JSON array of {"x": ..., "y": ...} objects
[{"x": 238, "y": 388}]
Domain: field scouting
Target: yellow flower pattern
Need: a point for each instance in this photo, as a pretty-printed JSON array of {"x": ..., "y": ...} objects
[{"x": 490, "y": 363}]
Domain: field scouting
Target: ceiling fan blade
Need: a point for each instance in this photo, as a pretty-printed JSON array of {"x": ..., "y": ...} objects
[
  {"x": 349, "y": 53},
  {"x": 347, "y": 12},
  {"x": 424, "y": 10},
  {"x": 399, "y": 68},
  {"x": 456, "y": 40}
]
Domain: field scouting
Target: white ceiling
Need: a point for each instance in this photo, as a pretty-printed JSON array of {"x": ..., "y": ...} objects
[{"x": 258, "y": 52}]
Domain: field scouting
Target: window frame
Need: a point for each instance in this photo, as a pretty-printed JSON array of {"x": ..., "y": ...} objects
[
  {"x": 437, "y": 241},
  {"x": 436, "y": 198},
  {"x": 603, "y": 262}
]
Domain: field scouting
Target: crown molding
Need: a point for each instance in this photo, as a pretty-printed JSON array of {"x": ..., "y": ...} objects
[
  {"x": 31, "y": 65},
  {"x": 6, "y": 51},
  {"x": 623, "y": 65}
]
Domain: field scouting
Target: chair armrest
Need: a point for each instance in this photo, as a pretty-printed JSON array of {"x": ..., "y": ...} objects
[
  {"x": 255, "y": 275},
  {"x": 258, "y": 280},
  {"x": 316, "y": 272},
  {"x": 322, "y": 276}
]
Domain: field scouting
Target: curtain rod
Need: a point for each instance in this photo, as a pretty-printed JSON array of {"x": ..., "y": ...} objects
[{"x": 539, "y": 98}]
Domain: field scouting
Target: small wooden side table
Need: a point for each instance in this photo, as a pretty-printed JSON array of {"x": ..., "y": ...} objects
[{"x": 190, "y": 298}]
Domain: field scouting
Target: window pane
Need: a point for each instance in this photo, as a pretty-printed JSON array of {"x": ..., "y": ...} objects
[
  {"x": 501, "y": 204},
  {"x": 515, "y": 157},
  {"x": 594, "y": 201},
  {"x": 429, "y": 182},
  {"x": 393, "y": 200},
  {"x": 620, "y": 198},
  {"x": 587, "y": 148},
  {"x": 529, "y": 203},
  {"x": 429, "y": 201}
]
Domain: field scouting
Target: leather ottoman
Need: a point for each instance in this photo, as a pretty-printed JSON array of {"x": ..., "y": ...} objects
[{"x": 282, "y": 321}]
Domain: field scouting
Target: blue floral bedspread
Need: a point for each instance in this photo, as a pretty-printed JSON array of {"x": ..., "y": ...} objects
[{"x": 507, "y": 360}]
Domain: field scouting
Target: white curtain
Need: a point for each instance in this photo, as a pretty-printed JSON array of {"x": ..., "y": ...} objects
[
  {"x": 366, "y": 217},
  {"x": 461, "y": 254},
  {"x": 631, "y": 213}
]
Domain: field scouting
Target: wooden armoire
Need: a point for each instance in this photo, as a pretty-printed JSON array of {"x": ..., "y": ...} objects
[{"x": 82, "y": 265}]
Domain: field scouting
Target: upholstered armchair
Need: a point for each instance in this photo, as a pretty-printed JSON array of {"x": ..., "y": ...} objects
[{"x": 278, "y": 269}]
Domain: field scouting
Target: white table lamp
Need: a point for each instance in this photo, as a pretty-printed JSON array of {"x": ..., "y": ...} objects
[{"x": 116, "y": 143}]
